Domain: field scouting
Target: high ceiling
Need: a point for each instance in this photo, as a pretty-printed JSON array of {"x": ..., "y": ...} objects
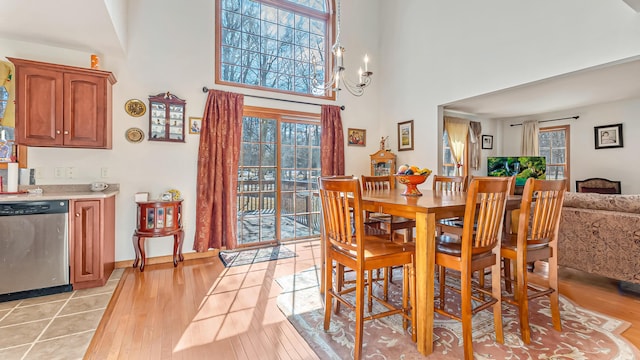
[{"x": 88, "y": 25}]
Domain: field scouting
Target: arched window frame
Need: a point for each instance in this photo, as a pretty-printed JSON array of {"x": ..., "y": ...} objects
[{"x": 223, "y": 50}]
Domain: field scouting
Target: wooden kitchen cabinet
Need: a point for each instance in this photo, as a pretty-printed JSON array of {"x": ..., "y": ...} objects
[
  {"x": 63, "y": 106},
  {"x": 91, "y": 241}
]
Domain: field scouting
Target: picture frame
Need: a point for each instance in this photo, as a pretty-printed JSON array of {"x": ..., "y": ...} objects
[
  {"x": 487, "y": 142},
  {"x": 405, "y": 135},
  {"x": 195, "y": 125},
  {"x": 608, "y": 136},
  {"x": 356, "y": 137}
]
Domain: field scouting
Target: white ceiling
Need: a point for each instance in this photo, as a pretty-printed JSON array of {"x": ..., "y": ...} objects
[
  {"x": 601, "y": 84},
  {"x": 83, "y": 25},
  {"x": 86, "y": 25}
]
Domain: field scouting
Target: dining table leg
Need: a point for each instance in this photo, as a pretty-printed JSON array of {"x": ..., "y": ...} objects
[{"x": 425, "y": 280}]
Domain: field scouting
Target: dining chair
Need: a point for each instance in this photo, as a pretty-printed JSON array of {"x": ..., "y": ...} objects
[
  {"x": 536, "y": 239},
  {"x": 348, "y": 245},
  {"x": 450, "y": 183},
  {"x": 390, "y": 223},
  {"x": 478, "y": 248}
]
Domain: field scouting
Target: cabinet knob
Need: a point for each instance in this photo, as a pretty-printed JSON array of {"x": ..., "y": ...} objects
[
  {"x": 77, "y": 214},
  {"x": 58, "y": 132},
  {"x": 66, "y": 132}
]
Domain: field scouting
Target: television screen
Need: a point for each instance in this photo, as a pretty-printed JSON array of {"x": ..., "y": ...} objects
[{"x": 523, "y": 167}]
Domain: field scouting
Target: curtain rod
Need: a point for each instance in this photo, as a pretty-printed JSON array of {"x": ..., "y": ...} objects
[
  {"x": 206, "y": 89},
  {"x": 541, "y": 121}
]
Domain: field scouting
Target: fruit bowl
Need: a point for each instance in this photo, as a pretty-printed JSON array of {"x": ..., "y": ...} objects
[{"x": 412, "y": 182}]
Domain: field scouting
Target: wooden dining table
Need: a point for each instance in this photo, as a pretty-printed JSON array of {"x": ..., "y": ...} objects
[{"x": 425, "y": 209}]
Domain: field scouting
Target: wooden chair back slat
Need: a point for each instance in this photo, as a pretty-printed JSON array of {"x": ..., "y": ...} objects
[
  {"x": 540, "y": 211},
  {"x": 450, "y": 183},
  {"x": 486, "y": 201},
  {"x": 341, "y": 203},
  {"x": 376, "y": 183}
]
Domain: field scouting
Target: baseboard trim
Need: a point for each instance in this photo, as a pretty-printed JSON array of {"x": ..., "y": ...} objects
[{"x": 168, "y": 258}]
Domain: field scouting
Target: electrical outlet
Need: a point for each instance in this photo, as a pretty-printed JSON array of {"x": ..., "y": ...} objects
[
  {"x": 38, "y": 173},
  {"x": 59, "y": 172},
  {"x": 104, "y": 172},
  {"x": 71, "y": 172}
]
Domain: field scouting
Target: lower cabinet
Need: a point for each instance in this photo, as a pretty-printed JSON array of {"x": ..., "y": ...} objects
[{"x": 91, "y": 241}]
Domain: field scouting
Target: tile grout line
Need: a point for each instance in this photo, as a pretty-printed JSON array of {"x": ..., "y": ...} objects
[{"x": 46, "y": 327}]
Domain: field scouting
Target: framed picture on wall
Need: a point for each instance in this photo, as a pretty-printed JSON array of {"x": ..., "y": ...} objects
[
  {"x": 487, "y": 142},
  {"x": 405, "y": 135},
  {"x": 608, "y": 136},
  {"x": 357, "y": 137},
  {"x": 195, "y": 123}
]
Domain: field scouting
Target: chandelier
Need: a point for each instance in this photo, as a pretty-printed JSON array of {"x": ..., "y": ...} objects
[{"x": 338, "y": 80}]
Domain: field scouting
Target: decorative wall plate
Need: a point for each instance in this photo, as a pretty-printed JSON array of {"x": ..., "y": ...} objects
[
  {"x": 134, "y": 135},
  {"x": 135, "y": 107}
]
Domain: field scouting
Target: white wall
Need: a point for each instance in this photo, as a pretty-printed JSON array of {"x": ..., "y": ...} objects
[
  {"x": 436, "y": 52},
  {"x": 585, "y": 160},
  {"x": 171, "y": 48}
]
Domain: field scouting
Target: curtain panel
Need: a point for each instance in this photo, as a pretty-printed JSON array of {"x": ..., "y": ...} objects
[
  {"x": 331, "y": 141},
  {"x": 458, "y": 130},
  {"x": 217, "y": 182},
  {"x": 530, "y": 138},
  {"x": 475, "y": 133},
  {"x": 7, "y": 79}
]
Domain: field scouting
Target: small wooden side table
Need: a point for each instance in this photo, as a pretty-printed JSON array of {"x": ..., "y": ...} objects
[{"x": 158, "y": 219}]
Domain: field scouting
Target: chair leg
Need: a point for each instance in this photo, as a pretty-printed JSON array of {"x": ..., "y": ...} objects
[
  {"x": 442, "y": 279},
  {"x": 496, "y": 293},
  {"x": 328, "y": 298},
  {"x": 388, "y": 271},
  {"x": 405, "y": 297},
  {"x": 522, "y": 299},
  {"x": 465, "y": 314},
  {"x": 507, "y": 275},
  {"x": 357, "y": 351},
  {"x": 553, "y": 284},
  {"x": 370, "y": 289},
  {"x": 339, "y": 284},
  {"x": 412, "y": 299}
]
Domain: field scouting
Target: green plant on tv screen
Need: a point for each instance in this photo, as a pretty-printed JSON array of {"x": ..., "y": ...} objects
[{"x": 523, "y": 167}]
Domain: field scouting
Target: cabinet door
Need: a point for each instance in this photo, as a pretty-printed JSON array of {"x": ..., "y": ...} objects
[
  {"x": 39, "y": 106},
  {"x": 84, "y": 110},
  {"x": 85, "y": 240}
]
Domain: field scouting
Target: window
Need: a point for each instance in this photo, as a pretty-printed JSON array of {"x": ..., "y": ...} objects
[
  {"x": 271, "y": 44},
  {"x": 277, "y": 176},
  {"x": 553, "y": 144},
  {"x": 4, "y": 97}
]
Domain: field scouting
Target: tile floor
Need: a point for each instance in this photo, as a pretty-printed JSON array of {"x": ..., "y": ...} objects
[{"x": 58, "y": 326}]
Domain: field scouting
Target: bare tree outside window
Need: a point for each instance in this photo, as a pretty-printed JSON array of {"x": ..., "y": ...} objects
[{"x": 263, "y": 45}]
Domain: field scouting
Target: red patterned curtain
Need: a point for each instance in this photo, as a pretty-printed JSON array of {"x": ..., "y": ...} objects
[
  {"x": 218, "y": 157},
  {"x": 331, "y": 141}
]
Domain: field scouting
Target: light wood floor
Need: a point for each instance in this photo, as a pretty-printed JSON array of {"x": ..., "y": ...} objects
[{"x": 202, "y": 310}]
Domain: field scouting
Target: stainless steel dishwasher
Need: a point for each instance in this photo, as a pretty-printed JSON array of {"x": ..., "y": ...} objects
[{"x": 34, "y": 248}]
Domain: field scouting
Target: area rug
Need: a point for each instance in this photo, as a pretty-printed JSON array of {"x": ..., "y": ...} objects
[
  {"x": 585, "y": 335},
  {"x": 252, "y": 256}
]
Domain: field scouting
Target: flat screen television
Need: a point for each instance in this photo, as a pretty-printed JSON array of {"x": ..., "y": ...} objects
[{"x": 523, "y": 167}]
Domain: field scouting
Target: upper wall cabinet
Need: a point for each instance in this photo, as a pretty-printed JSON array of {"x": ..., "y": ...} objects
[{"x": 62, "y": 106}]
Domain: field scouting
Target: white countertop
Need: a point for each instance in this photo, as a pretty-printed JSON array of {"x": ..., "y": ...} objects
[{"x": 61, "y": 192}]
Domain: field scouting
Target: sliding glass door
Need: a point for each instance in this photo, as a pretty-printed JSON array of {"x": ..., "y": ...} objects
[{"x": 277, "y": 177}]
